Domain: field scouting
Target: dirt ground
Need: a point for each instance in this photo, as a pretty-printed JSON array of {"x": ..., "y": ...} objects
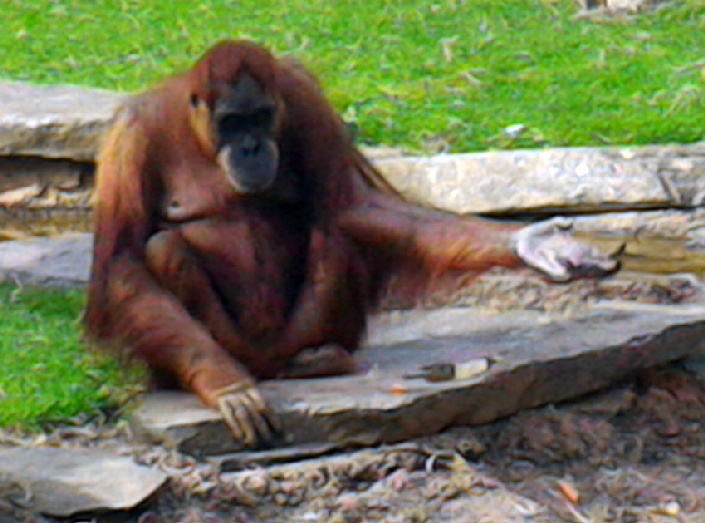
[{"x": 634, "y": 453}]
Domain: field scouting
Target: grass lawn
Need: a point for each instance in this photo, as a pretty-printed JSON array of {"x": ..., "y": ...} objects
[
  {"x": 47, "y": 374},
  {"x": 425, "y": 75}
]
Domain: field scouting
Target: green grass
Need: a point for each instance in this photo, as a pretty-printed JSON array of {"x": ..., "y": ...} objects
[
  {"x": 425, "y": 75},
  {"x": 47, "y": 374}
]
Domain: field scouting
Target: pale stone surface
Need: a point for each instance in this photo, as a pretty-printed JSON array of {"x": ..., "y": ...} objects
[
  {"x": 63, "y": 482},
  {"x": 53, "y": 121},
  {"x": 62, "y": 262},
  {"x": 540, "y": 181},
  {"x": 537, "y": 359},
  {"x": 554, "y": 180}
]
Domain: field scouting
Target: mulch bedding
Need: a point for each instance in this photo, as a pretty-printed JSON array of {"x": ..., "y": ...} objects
[{"x": 633, "y": 453}]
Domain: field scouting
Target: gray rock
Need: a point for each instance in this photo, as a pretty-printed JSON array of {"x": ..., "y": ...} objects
[
  {"x": 554, "y": 180},
  {"x": 536, "y": 359},
  {"x": 63, "y": 482},
  {"x": 541, "y": 181},
  {"x": 61, "y": 262},
  {"x": 53, "y": 121}
]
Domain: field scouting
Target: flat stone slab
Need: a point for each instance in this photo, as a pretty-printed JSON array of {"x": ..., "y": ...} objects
[
  {"x": 63, "y": 482},
  {"x": 554, "y": 180},
  {"x": 62, "y": 262},
  {"x": 535, "y": 359},
  {"x": 542, "y": 181},
  {"x": 55, "y": 121}
]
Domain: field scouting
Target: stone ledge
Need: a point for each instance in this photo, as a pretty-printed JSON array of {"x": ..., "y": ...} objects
[
  {"x": 63, "y": 482},
  {"x": 58, "y": 121},
  {"x": 537, "y": 359},
  {"x": 554, "y": 180},
  {"x": 65, "y": 122},
  {"x": 58, "y": 262}
]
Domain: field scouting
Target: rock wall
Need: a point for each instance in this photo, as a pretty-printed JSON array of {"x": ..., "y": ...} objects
[{"x": 648, "y": 198}]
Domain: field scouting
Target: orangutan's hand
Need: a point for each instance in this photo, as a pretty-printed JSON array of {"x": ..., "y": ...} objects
[
  {"x": 246, "y": 413},
  {"x": 546, "y": 246}
]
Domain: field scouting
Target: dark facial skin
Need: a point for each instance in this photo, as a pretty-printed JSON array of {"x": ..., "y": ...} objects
[{"x": 244, "y": 120}]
